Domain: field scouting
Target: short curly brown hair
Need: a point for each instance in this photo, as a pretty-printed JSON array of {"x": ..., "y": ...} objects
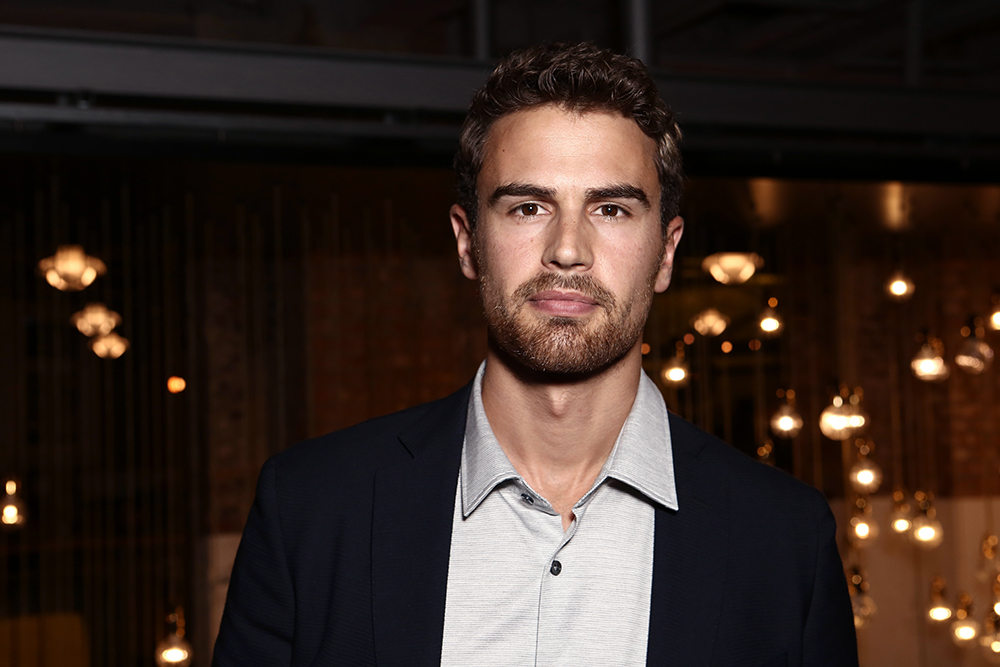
[{"x": 577, "y": 77}]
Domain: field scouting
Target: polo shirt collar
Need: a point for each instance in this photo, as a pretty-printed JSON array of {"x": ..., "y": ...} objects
[{"x": 642, "y": 456}]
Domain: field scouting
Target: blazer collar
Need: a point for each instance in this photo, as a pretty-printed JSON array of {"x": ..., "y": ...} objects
[
  {"x": 689, "y": 559},
  {"x": 411, "y": 536}
]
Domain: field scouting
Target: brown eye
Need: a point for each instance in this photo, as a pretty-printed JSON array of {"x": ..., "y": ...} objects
[
  {"x": 528, "y": 209},
  {"x": 610, "y": 210}
]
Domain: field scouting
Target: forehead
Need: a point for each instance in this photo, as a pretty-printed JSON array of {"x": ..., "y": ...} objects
[{"x": 547, "y": 144}]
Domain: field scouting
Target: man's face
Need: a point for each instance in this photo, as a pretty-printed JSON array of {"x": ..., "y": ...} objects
[{"x": 568, "y": 247}]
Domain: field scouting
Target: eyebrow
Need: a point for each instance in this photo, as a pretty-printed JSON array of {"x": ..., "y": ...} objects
[
  {"x": 520, "y": 190},
  {"x": 619, "y": 191}
]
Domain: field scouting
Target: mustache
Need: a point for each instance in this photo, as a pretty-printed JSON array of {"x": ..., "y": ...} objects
[{"x": 578, "y": 283}]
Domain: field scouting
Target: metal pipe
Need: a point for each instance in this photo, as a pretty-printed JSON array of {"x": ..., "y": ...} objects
[{"x": 637, "y": 23}]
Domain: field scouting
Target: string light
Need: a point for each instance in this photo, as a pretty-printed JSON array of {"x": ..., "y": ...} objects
[
  {"x": 786, "y": 422},
  {"x": 900, "y": 520},
  {"x": 862, "y": 604},
  {"x": 174, "y": 650},
  {"x": 864, "y": 530},
  {"x": 975, "y": 355},
  {"x": 12, "y": 514},
  {"x": 928, "y": 364},
  {"x": 964, "y": 629},
  {"x": 938, "y": 611},
  {"x": 770, "y": 323},
  {"x": 675, "y": 371},
  {"x": 927, "y": 531}
]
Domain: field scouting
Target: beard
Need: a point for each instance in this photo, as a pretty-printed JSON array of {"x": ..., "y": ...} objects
[{"x": 565, "y": 345}]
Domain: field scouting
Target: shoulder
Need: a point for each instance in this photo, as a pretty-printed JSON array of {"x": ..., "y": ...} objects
[
  {"x": 361, "y": 449},
  {"x": 708, "y": 462}
]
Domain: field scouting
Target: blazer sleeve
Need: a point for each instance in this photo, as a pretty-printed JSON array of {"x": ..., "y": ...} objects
[
  {"x": 259, "y": 618},
  {"x": 830, "y": 637}
]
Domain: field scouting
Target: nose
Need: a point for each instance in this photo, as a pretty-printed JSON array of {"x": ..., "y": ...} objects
[{"x": 569, "y": 244}]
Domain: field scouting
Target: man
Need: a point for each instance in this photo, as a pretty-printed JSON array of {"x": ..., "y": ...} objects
[{"x": 551, "y": 512}]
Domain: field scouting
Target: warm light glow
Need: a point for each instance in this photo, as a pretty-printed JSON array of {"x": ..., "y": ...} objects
[
  {"x": 769, "y": 324},
  {"x": 10, "y": 487},
  {"x": 928, "y": 365},
  {"x": 926, "y": 531},
  {"x": 894, "y": 205},
  {"x": 925, "y": 534},
  {"x": 645, "y": 348},
  {"x": 174, "y": 655},
  {"x": 676, "y": 374},
  {"x": 176, "y": 384},
  {"x": 901, "y": 525},
  {"x": 899, "y": 286},
  {"x": 710, "y": 322},
  {"x": 939, "y": 613},
  {"x": 109, "y": 346},
  {"x": 10, "y": 514},
  {"x": 975, "y": 356},
  {"x": 996, "y": 607},
  {"x": 862, "y": 529},
  {"x": 96, "y": 320},
  {"x": 965, "y": 632},
  {"x": 995, "y": 320},
  {"x": 995, "y": 645},
  {"x": 71, "y": 269},
  {"x": 674, "y": 371},
  {"x": 727, "y": 347},
  {"x": 732, "y": 268},
  {"x": 786, "y": 422},
  {"x": 865, "y": 477}
]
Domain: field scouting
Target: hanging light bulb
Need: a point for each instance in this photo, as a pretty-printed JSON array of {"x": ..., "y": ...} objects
[
  {"x": 899, "y": 286},
  {"x": 770, "y": 323},
  {"x": 95, "y": 320},
  {"x": 863, "y": 531},
  {"x": 732, "y": 268},
  {"x": 861, "y": 603},
  {"x": 12, "y": 514},
  {"x": 833, "y": 422},
  {"x": 174, "y": 650},
  {"x": 986, "y": 573},
  {"x": 995, "y": 313},
  {"x": 71, "y": 269},
  {"x": 765, "y": 453},
  {"x": 929, "y": 365},
  {"x": 865, "y": 476},
  {"x": 927, "y": 531},
  {"x": 989, "y": 639},
  {"x": 975, "y": 355},
  {"x": 964, "y": 629},
  {"x": 109, "y": 346},
  {"x": 786, "y": 422},
  {"x": 675, "y": 371},
  {"x": 710, "y": 322},
  {"x": 900, "y": 520},
  {"x": 939, "y": 610}
]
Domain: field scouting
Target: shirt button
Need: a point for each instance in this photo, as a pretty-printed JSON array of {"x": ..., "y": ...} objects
[
  {"x": 555, "y": 568},
  {"x": 528, "y": 499}
]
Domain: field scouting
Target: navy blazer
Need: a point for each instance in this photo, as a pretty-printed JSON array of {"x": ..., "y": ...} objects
[{"x": 344, "y": 558}]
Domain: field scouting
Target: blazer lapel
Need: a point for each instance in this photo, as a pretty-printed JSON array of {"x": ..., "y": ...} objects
[
  {"x": 411, "y": 537},
  {"x": 689, "y": 561}
]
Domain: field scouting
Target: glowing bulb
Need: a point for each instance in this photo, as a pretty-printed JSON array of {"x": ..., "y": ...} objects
[
  {"x": 770, "y": 323},
  {"x": 928, "y": 365},
  {"x": 70, "y": 268},
  {"x": 927, "y": 532},
  {"x": 786, "y": 422},
  {"x": 674, "y": 371},
  {"x": 10, "y": 487},
  {"x": 939, "y": 613},
  {"x": 109, "y": 346},
  {"x": 175, "y": 655},
  {"x": 862, "y": 529},
  {"x": 995, "y": 320},
  {"x": 899, "y": 286},
  {"x": 95, "y": 320},
  {"x": 176, "y": 384},
  {"x": 965, "y": 632},
  {"x": 865, "y": 476},
  {"x": 10, "y": 514},
  {"x": 902, "y": 525}
]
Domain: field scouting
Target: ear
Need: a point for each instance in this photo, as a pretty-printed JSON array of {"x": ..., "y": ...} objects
[
  {"x": 463, "y": 239},
  {"x": 675, "y": 228}
]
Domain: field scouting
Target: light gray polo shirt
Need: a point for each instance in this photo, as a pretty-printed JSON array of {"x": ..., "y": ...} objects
[{"x": 521, "y": 591}]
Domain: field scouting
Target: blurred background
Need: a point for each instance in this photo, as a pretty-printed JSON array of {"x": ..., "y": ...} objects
[{"x": 223, "y": 229}]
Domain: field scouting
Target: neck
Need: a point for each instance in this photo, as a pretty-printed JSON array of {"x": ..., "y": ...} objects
[{"x": 558, "y": 431}]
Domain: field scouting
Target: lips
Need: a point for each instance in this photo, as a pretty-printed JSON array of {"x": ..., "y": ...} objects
[
  {"x": 557, "y": 303},
  {"x": 557, "y": 295}
]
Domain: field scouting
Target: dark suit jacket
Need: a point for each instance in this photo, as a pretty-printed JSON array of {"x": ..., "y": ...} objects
[{"x": 344, "y": 559}]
